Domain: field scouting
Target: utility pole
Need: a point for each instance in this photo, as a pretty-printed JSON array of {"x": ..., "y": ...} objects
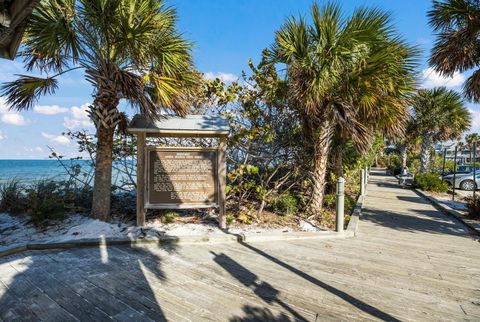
[
  {"x": 454, "y": 172},
  {"x": 444, "y": 157},
  {"x": 474, "y": 170}
]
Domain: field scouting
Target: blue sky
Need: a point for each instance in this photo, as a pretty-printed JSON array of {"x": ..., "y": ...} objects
[{"x": 226, "y": 33}]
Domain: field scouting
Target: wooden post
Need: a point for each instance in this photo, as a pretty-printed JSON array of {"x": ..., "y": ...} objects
[
  {"x": 340, "y": 204},
  {"x": 222, "y": 181},
  {"x": 362, "y": 182},
  {"x": 141, "y": 179}
]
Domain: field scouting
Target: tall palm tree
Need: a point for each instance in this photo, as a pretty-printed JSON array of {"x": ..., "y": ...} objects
[
  {"x": 457, "y": 24},
  {"x": 439, "y": 114},
  {"x": 128, "y": 50},
  {"x": 406, "y": 142},
  {"x": 345, "y": 75},
  {"x": 469, "y": 139}
]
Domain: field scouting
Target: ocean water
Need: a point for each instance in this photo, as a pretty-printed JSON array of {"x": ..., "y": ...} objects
[
  {"x": 28, "y": 171},
  {"x": 33, "y": 170}
]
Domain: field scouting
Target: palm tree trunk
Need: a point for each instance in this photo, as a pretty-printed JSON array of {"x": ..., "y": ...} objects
[
  {"x": 425, "y": 152},
  {"x": 106, "y": 117},
  {"x": 102, "y": 187},
  {"x": 322, "y": 147},
  {"x": 403, "y": 154},
  {"x": 338, "y": 160}
]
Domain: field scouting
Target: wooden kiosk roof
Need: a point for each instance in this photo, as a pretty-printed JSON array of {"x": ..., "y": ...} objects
[
  {"x": 14, "y": 15},
  {"x": 190, "y": 125}
]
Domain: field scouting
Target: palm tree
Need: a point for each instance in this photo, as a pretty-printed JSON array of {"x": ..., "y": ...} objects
[
  {"x": 439, "y": 114},
  {"x": 469, "y": 139},
  {"x": 349, "y": 76},
  {"x": 406, "y": 142},
  {"x": 128, "y": 50},
  {"x": 457, "y": 49}
]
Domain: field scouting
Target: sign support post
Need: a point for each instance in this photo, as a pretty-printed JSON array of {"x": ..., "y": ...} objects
[
  {"x": 140, "y": 179},
  {"x": 222, "y": 182}
]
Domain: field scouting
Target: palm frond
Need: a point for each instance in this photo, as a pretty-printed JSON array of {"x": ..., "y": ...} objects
[
  {"x": 441, "y": 113},
  {"x": 51, "y": 41},
  {"x": 450, "y": 14},
  {"x": 457, "y": 49},
  {"x": 22, "y": 93},
  {"x": 471, "y": 87},
  {"x": 356, "y": 72},
  {"x": 132, "y": 88}
]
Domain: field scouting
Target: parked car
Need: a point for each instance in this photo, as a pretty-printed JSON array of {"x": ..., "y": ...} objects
[
  {"x": 463, "y": 169},
  {"x": 464, "y": 181}
]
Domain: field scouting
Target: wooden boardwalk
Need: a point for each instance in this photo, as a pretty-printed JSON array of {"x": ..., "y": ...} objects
[{"x": 409, "y": 262}]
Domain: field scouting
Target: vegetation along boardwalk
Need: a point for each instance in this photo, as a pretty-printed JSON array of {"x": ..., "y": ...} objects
[{"x": 408, "y": 262}]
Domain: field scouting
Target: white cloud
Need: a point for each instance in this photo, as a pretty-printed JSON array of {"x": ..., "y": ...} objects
[
  {"x": 49, "y": 109},
  {"x": 60, "y": 139},
  {"x": 225, "y": 77},
  {"x": 475, "y": 127},
  {"x": 10, "y": 117},
  {"x": 79, "y": 117},
  {"x": 14, "y": 119},
  {"x": 430, "y": 78},
  {"x": 3, "y": 136},
  {"x": 35, "y": 149}
]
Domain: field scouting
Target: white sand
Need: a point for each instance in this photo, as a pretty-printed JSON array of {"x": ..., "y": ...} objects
[{"x": 17, "y": 230}]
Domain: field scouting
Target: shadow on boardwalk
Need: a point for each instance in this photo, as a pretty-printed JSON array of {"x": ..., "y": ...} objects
[
  {"x": 268, "y": 294},
  {"x": 87, "y": 284},
  {"x": 412, "y": 213},
  {"x": 262, "y": 290},
  {"x": 426, "y": 221}
]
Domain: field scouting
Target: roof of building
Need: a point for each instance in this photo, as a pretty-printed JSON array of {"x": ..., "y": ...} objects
[
  {"x": 14, "y": 15},
  {"x": 197, "y": 125}
]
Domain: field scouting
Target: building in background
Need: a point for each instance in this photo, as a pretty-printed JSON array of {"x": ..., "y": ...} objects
[{"x": 464, "y": 153}]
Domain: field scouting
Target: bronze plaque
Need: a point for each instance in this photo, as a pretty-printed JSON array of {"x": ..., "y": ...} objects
[{"x": 181, "y": 177}]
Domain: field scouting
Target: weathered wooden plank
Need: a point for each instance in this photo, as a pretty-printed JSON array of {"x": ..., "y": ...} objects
[
  {"x": 12, "y": 308},
  {"x": 98, "y": 297},
  {"x": 65, "y": 296},
  {"x": 38, "y": 302}
]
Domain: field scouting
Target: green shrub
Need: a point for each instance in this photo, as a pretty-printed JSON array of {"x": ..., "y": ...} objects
[
  {"x": 80, "y": 200},
  {"x": 169, "y": 216},
  {"x": 230, "y": 218},
  {"x": 329, "y": 200},
  {"x": 394, "y": 164},
  {"x": 430, "y": 182},
  {"x": 45, "y": 201},
  {"x": 245, "y": 218},
  {"x": 12, "y": 197},
  {"x": 285, "y": 204},
  {"x": 349, "y": 204},
  {"x": 382, "y": 161}
]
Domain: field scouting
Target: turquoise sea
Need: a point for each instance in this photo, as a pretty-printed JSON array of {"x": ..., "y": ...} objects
[
  {"x": 28, "y": 171},
  {"x": 32, "y": 170}
]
